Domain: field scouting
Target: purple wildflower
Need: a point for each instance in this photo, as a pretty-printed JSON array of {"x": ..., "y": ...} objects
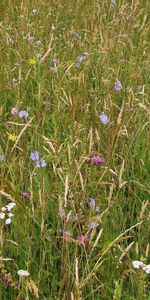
[
  {"x": 92, "y": 225},
  {"x": 81, "y": 58},
  {"x": 53, "y": 69},
  {"x": 55, "y": 61},
  {"x": 35, "y": 155},
  {"x": 104, "y": 118},
  {"x": 97, "y": 209},
  {"x": 41, "y": 163},
  {"x": 83, "y": 238},
  {"x": 38, "y": 43},
  {"x": 26, "y": 194},
  {"x": 92, "y": 203},
  {"x": 23, "y": 114},
  {"x": 118, "y": 85},
  {"x": 14, "y": 111},
  {"x": 96, "y": 160},
  {"x": 64, "y": 232}
]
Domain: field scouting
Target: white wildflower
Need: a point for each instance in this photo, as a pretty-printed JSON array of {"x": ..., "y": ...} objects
[
  {"x": 10, "y": 206},
  {"x": 8, "y": 221},
  {"x": 23, "y": 273},
  {"x": 2, "y": 216},
  {"x": 3, "y": 208},
  {"x": 10, "y": 215},
  {"x": 146, "y": 269},
  {"x": 137, "y": 264}
]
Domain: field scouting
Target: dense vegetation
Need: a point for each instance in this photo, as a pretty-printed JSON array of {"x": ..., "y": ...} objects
[{"x": 74, "y": 149}]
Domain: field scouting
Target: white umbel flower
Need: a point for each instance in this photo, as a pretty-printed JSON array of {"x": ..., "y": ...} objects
[
  {"x": 8, "y": 221},
  {"x": 10, "y": 215},
  {"x": 138, "y": 264},
  {"x": 23, "y": 273},
  {"x": 3, "y": 208},
  {"x": 10, "y": 205},
  {"x": 146, "y": 269},
  {"x": 2, "y": 216}
]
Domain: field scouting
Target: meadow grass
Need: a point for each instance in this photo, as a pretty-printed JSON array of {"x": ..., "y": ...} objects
[{"x": 59, "y": 63}]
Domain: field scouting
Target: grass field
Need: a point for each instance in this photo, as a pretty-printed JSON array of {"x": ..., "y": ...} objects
[{"x": 74, "y": 149}]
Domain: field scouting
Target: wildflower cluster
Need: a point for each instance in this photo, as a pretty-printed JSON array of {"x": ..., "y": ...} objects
[
  {"x": 140, "y": 265},
  {"x": 6, "y": 213},
  {"x": 35, "y": 156},
  {"x": 21, "y": 113}
]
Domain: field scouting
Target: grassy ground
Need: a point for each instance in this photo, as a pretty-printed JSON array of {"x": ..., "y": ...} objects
[{"x": 64, "y": 100}]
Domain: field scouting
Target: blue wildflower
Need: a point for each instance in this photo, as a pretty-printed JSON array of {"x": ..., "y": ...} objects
[
  {"x": 35, "y": 155},
  {"x": 92, "y": 225},
  {"x": 23, "y": 114},
  {"x": 41, "y": 163},
  {"x": 118, "y": 85},
  {"x": 81, "y": 58},
  {"x": 104, "y": 118},
  {"x": 92, "y": 203}
]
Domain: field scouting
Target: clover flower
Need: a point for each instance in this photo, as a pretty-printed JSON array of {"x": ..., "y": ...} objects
[
  {"x": 26, "y": 194},
  {"x": 96, "y": 160},
  {"x": 53, "y": 69},
  {"x": 83, "y": 239},
  {"x": 14, "y": 111},
  {"x": 23, "y": 273},
  {"x": 55, "y": 61},
  {"x": 118, "y": 85},
  {"x": 104, "y": 118}
]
